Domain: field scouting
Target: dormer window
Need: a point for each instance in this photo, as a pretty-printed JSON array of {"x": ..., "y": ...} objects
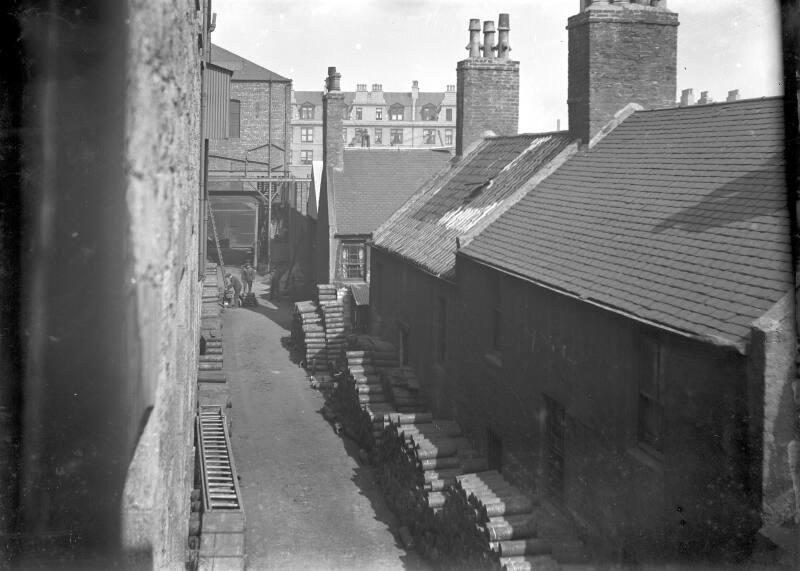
[
  {"x": 428, "y": 113},
  {"x": 306, "y": 111},
  {"x": 396, "y": 112}
]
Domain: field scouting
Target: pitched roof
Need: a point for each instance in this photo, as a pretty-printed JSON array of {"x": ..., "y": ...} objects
[
  {"x": 463, "y": 199},
  {"x": 313, "y": 97},
  {"x": 243, "y": 69},
  {"x": 376, "y": 182},
  {"x": 677, "y": 217}
]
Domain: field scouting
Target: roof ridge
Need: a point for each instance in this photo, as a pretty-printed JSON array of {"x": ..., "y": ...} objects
[{"x": 699, "y": 106}]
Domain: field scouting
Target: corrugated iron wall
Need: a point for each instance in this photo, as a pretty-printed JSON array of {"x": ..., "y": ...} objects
[{"x": 218, "y": 93}]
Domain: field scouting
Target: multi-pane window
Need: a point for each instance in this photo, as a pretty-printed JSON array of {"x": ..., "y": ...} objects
[
  {"x": 396, "y": 136},
  {"x": 235, "y": 118},
  {"x": 651, "y": 395},
  {"x": 448, "y": 114},
  {"x": 378, "y": 136},
  {"x": 362, "y": 137},
  {"x": 353, "y": 261},
  {"x": 379, "y": 114},
  {"x": 448, "y": 136},
  {"x": 359, "y": 113},
  {"x": 396, "y": 113},
  {"x": 306, "y": 157},
  {"x": 429, "y": 136},
  {"x": 307, "y": 111},
  {"x": 307, "y": 134},
  {"x": 428, "y": 113}
]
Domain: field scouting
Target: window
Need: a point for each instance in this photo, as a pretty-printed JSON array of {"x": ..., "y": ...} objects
[
  {"x": 378, "y": 136},
  {"x": 440, "y": 328},
  {"x": 307, "y": 134},
  {"x": 307, "y": 111},
  {"x": 378, "y": 114},
  {"x": 448, "y": 136},
  {"x": 428, "y": 113},
  {"x": 429, "y": 136},
  {"x": 395, "y": 136},
  {"x": 306, "y": 157},
  {"x": 353, "y": 261},
  {"x": 359, "y": 113},
  {"x": 235, "y": 118},
  {"x": 448, "y": 114},
  {"x": 651, "y": 394},
  {"x": 396, "y": 113},
  {"x": 362, "y": 137}
]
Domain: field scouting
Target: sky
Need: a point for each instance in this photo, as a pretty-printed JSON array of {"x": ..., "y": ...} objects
[{"x": 722, "y": 45}]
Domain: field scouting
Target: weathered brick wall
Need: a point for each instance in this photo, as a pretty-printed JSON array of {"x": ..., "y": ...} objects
[
  {"x": 619, "y": 56},
  {"x": 487, "y": 99},
  {"x": 588, "y": 360},
  {"x": 403, "y": 296},
  {"x": 162, "y": 171},
  {"x": 265, "y": 116},
  {"x": 333, "y": 111}
]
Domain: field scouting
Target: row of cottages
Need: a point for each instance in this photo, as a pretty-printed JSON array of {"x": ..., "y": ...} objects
[
  {"x": 358, "y": 191},
  {"x": 607, "y": 310}
]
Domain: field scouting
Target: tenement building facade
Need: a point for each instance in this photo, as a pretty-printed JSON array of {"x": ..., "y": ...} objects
[{"x": 375, "y": 118}]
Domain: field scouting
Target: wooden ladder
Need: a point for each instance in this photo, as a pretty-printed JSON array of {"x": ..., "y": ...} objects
[{"x": 216, "y": 236}]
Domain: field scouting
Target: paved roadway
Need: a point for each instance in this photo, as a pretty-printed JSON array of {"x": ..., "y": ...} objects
[{"x": 308, "y": 503}]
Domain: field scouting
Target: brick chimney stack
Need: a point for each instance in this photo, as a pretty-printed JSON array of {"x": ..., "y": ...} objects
[
  {"x": 333, "y": 121},
  {"x": 733, "y": 95},
  {"x": 619, "y": 53},
  {"x": 687, "y": 97},
  {"x": 488, "y": 86}
]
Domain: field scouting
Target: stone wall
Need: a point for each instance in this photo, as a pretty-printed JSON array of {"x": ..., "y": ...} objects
[{"x": 162, "y": 168}]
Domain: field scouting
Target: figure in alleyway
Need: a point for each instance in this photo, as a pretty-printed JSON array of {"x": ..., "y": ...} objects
[
  {"x": 248, "y": 275},
  {"x": 227, "y": 294},
  {"x": 237, "y": 291}
]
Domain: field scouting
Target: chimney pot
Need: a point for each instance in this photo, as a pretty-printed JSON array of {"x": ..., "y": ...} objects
[
  {"x": 488, "y": 39},
  {"x": 332, "y": 83},
  {"x": 503, "y": 47},
  {"x": 474, "y": 46}
]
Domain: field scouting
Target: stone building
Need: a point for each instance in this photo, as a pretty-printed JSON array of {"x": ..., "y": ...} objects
[
  {"x": 374, "y": 118},
  {"x": 249, "y": 167},
  {"x": 610, "y": 317},
  {"x": 100, "y": 336}
]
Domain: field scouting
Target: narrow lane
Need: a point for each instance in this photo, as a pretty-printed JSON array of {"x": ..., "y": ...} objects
[{"x": 308, "y": 503}]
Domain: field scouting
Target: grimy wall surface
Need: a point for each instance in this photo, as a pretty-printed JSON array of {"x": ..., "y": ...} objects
[
  {"x": 693, "y": 499},
  {"x": 162, "y": 173},
  {"x": 109, "y": 301},
  {"x": 404, "y": 298},
  {"x": 266, "y": 113}
]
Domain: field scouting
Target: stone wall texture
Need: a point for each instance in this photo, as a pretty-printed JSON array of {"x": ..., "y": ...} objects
[
  {"x": 162, "y": 167},
  {"x": 618, "y": 57},
  {"x": 487, "y": 100}
]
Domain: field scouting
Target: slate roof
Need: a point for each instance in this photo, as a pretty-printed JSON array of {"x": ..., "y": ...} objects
[
  {"x": 677, "y": 217},
  {"x": 460, "y": 201},
  {"x": 313, "y": 97},
  {"x": 374, "y": 183},
  {"x": 243, "y": 69}
]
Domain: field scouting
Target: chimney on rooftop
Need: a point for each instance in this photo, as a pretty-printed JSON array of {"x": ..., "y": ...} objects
[
  {"x": 705, "y": 98},
  {"x": 487, "y": 97},
  {"x": 333, "y": 121},
  {"x": 619, "y": 54},
  {"x": 377, "y": 87},
  {"x": 687, "y": 97},
  {"x": 733, "y": 95}
]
